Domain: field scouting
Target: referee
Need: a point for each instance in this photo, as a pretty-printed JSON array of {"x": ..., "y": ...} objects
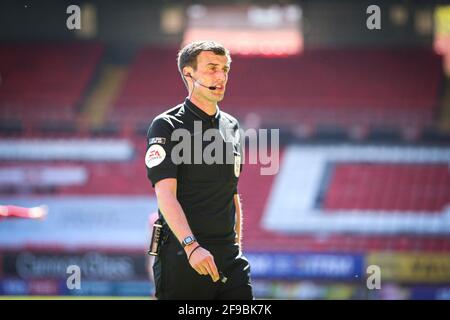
[{"x": 200, "y": 256}]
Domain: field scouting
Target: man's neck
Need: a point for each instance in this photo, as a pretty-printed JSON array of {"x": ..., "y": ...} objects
[{"x": 206, "y": 106}]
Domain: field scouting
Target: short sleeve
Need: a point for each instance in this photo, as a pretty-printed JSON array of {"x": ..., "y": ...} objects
[{"x": 159, "y": 148}]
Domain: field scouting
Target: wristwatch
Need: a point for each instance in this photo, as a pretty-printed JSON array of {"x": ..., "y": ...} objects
[{"x": 188, "y": 241}]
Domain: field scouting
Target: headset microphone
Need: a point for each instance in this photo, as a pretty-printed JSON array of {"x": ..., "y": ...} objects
[{"x": 210, "y": 88}]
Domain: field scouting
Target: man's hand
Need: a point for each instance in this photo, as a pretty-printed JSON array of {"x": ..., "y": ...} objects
[{"x": 202, "y": 261}]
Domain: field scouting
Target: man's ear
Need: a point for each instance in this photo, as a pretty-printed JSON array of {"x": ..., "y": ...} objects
[{"x": 187, "y": 72}]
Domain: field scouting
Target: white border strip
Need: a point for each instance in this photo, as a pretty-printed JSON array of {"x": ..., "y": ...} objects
[{"x": 66, "y": 149}]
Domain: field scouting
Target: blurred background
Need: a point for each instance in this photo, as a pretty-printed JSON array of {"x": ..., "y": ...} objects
[{"x": 364, "y": 119}]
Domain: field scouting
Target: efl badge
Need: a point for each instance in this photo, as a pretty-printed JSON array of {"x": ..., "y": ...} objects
[
  {"x": 154, "y": 156},
  {"x": 237, "y": 166},
  {"x": 157, "y": 140}
]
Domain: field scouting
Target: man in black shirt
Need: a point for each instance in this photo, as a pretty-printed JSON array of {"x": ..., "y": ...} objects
[{"x": 193, "y": 160}]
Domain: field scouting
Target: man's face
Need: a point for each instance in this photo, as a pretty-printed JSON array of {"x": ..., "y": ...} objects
[{"x": 212, "y": 70}]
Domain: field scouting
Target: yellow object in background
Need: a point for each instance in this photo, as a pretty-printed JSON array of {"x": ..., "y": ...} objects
[
  {"x": 412, "y": 267},
  {"x": 442, "y": 20}
]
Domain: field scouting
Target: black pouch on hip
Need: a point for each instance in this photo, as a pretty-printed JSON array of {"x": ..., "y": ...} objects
[{"x": 157, "y": 236}]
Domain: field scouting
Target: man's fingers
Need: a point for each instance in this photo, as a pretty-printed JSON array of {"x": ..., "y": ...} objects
[
  {"x": 206, "y": 266},
  {"x": 203, "y": 270},
  {"x": 210, "y": 270},
  {"x": 199, "y": 271},
  {"x": 213, "y": 268}
]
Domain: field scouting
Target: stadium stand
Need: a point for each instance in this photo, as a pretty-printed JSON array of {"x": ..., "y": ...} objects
[
  {"x": 340, "y": 87},
  {"x": 43, "y": 83},
  {"x": 402, "y": 187}
]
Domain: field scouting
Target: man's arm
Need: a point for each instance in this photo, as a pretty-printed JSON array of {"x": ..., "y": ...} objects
[
  {"x": 201, "y": 260},
  {"x": 238, "y": 206}
]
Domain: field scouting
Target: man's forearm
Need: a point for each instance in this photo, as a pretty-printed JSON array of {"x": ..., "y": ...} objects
[
  {"x": 238, "y": 228},
  {"x": 173, "y": 214},
  {"x": 202, "y": 261}
]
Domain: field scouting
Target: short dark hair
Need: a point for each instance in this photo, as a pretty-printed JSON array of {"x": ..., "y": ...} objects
[{"x": 187, "y": 56}]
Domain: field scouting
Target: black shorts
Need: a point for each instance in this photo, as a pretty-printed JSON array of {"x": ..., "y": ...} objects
[{"x": 175, "y": 279}]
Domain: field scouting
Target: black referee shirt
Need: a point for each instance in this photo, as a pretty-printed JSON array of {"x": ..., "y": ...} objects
[{"x": 205, "y": 191}]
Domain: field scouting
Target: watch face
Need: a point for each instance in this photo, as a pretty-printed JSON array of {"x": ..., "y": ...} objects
[{"x": 188, "y": 240}]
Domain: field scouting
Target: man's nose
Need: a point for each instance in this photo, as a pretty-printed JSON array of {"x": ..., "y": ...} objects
[{"x": 222, "y": 76}]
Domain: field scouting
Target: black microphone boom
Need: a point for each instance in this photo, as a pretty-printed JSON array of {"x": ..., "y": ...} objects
[{"x": 210, "y": 88}]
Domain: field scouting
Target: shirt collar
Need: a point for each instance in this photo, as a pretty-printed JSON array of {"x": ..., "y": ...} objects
[{"x": 199, "y": 112}]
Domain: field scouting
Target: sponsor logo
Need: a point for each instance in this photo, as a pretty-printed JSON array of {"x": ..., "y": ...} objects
[{"x": 154, "y": 156}]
